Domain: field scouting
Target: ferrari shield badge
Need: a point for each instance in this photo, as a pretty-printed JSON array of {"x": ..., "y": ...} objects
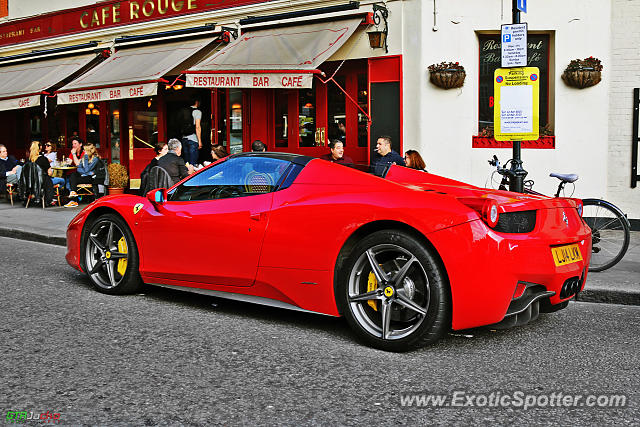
[{"x": 137, "y": 208}]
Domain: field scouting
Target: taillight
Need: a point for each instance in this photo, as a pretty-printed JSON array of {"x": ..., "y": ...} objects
[
  {"x": 486, "y": 208},
  {"x": 579, "y": 206}
]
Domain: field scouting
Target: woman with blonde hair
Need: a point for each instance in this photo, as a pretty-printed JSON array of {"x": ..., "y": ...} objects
[
  {"x": 85, "y": 173},
  {"x": 36, "y": 157}
]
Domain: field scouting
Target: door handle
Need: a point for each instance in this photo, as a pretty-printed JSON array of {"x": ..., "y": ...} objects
[
  {"x": 256, "y": 216},
  {"x": 183, "y": 215}
]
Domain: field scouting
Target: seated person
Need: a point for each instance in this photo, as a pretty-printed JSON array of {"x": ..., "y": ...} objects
[
  {"x": 414, "y": 160},
  {"x": 173, "y": 163},
  {"x": 336, "y": 155},
  {"x": 10, "y": 169},
  {"x": 39, "y": 159},
  {"x": 218, "y": 152},
  {"x": 85, "y": 173},
  {"x": 161, "y": 149},
  {"x": 385, "y": 156},
  {"x": 76, "y": 151},
  {"x": 50, "y": 152}
]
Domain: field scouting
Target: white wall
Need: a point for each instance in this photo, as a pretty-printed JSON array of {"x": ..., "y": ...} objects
[
  {"x": 624, "y": 69},
  {"x": 23, "y": 8},
  {"x": 440, "y": 123}
]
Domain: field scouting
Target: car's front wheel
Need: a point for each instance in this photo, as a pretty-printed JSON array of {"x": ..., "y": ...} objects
[
  {"x": 393, "y": 292},
  {"x": 111, "y": 256}
]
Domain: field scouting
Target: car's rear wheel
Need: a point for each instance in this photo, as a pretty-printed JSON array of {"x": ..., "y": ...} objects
[
  {"x": 111, "y": 256},
  {"x": 393, "y": 292}
]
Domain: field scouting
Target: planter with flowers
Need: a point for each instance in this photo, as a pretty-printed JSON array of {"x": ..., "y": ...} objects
[
  {"x": 583, "y": 73},
  {"x": 118, "y": 178},
  {"x": 447, "y": 75}
]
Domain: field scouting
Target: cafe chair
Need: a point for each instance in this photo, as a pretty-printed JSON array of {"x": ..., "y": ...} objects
[
  {"x": 56, "y": 193},
  {"x": 158, "y": 178},
  {"x": 11, "y": 191},
  {"x": 31, "y": 184},
  {"x": 85, "y": 190}
]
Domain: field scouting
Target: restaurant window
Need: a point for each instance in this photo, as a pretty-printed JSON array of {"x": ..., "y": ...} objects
[
  {"x": 145, "y": 123},
  {"x": 235, "y": 119},
  {"x": 336, "y": 110},
  {"x": 35, "y": 127},
  {"x": 114, "y": 130},
  {"x": 281, "y": 112},
  {"x": 363, "y": 103},
  {"x": 490, "y": 57},
  {"x": 92, "y": 120},
  {"x": 72, "y": 125},
  {"x": 221, "y": 117},
  {"x": 307, "y": 117}
]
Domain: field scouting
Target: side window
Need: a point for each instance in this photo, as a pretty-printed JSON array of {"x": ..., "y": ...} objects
[{"x": 235, "y": 177}]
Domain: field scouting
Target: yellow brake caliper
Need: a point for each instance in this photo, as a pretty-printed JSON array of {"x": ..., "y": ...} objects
[
  {"x": 122, "y": 262},
  {"x": 372, "y": 285}
]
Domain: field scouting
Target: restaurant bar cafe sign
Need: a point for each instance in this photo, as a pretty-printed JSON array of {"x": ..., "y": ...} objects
[
  {"x": 104, "y": 15},
  {"x": 251, "y": 80},
  {"x": 107, "y": 94}
]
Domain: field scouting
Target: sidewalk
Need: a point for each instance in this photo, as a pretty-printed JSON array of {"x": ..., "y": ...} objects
[{"x": 618, "y": 285}]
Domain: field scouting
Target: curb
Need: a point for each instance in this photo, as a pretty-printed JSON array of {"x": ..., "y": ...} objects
[
  {"x": 34, "y": 237},
  {"x": 609, "y": 297}
]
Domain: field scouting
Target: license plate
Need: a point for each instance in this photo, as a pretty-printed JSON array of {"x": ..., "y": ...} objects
[{"x": 568, "y": 254}]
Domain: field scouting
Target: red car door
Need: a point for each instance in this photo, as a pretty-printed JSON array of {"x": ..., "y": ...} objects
[
  {"x": 214, "y": 242},
  {"x": 211, "y": 229}
]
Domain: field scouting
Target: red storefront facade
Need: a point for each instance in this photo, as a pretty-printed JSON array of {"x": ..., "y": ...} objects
[{"x": 353, "y": 98}]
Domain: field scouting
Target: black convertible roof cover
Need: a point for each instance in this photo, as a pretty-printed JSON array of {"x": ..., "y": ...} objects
[{"x": 289, "y": 157}]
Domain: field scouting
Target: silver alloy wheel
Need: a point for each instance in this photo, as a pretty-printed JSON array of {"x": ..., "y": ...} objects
[
  {"x": 102, "y": 254},
  {"x": 401, "y": 293}
]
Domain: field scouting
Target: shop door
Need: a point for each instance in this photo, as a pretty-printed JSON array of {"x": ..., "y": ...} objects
[{"x": 143, "y": 135}]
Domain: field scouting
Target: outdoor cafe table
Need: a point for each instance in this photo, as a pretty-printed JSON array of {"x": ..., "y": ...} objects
[{"x": 63, "y": 171}]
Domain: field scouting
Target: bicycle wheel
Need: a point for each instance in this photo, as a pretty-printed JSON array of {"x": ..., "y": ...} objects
[{"x": 609, "y": 233}]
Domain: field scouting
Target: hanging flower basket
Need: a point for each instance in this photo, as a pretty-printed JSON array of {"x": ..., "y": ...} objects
[
  {"x": 582, "y": 73},
  {"x": 447, "y": 75}
]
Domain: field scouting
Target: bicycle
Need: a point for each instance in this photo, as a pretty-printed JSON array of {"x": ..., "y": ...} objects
[{"x": 610, "y": 228}]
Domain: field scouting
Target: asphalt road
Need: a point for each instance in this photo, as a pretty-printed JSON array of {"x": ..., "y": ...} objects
[{"x": 167, "y": 357}]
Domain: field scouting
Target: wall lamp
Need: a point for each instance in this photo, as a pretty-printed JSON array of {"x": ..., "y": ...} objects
[{"x": 378, "y": 38}]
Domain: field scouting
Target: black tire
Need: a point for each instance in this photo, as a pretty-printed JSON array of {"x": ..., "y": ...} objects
[
  {"x": 103, "y": 253},
  {"x": 415, "y": 304},
  {"x": 610, "y": 233}
]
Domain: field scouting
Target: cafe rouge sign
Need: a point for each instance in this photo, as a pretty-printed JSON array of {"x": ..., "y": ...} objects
[{"x": 104, "y": 15}]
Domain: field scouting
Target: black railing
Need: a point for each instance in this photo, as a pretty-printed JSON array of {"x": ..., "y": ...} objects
[{"x": 635, "y": 139}]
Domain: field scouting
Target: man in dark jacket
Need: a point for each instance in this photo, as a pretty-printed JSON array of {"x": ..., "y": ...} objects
[
  {"x": 385, "y": 157},
  {"x": 173, "y": 163},
  {"x": 9, "y": 170}
]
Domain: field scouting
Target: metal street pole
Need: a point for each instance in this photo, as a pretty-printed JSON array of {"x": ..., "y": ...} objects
[{"x": 516, "y": 180}]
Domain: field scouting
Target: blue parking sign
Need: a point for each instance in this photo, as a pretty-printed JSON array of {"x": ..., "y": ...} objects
[
  {"x": 522, "y": 5},
  {"x": 506, "y": 38}
]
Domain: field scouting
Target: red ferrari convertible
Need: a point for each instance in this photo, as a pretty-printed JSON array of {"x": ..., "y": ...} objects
[{"x": 404, "y": 257}]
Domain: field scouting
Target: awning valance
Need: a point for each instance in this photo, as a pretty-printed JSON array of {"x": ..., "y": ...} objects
[
  {"x": 22, "y": 84},
  {"x": 131, "y": 72},
  {"x": 283, "y": 57}
]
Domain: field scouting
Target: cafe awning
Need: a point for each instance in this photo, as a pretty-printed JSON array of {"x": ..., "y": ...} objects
[
  {"x": 22, "y": 84},
  {"x": 280, "y": 57},
  {"x": 132, "y": 72}
]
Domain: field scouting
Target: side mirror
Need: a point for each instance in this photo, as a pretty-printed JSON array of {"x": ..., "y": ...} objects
[{"x": 157, "y": 196}]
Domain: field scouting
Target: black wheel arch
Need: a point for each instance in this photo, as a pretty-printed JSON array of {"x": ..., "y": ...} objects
[
  {"x": 380, "y": 225},
  {"x": 88, "y": 222}
]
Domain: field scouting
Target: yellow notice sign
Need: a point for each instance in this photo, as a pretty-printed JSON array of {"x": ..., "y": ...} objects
[{"x": 516, "y": 113}]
